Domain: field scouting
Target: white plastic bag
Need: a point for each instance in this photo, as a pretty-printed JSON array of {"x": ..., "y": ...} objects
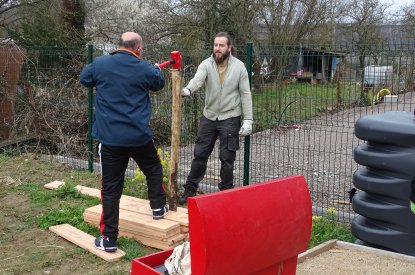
[{"x": 179, "y": 261}]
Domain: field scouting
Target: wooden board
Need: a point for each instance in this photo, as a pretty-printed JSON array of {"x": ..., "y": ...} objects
[
  {"x": 144, "y": 208},
  {"x": 85, "y": 241},
  {"x": 141, "y": 223},
  {"x": 163, "y": 245},
  {"x": 131, "y": 203},
  {"x": 54, "y": 184},
  {"x": 148, "y": 238}
]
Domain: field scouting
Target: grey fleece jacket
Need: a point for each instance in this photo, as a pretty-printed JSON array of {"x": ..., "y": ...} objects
[{"x": 226, "y": 100}]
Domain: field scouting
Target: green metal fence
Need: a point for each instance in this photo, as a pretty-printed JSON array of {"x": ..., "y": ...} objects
[{"x": 306, "y": 102}]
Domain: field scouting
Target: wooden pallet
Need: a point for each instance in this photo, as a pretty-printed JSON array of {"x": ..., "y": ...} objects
[
  {"x": 133, "y": 204},
  {"x": 136, "y": 219}
]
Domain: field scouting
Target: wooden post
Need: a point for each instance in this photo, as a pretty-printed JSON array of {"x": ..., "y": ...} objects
[{"x": 175, "y": 138}]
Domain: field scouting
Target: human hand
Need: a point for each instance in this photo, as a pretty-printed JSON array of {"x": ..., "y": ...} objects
[
  {"x": 413, "y": 207},
  {"x": 157, "y": 66},
  {"x": 246, "y": 128},
  {"x": 186, "y": 92}
]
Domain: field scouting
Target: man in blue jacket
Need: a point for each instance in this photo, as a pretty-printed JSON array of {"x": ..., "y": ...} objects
[
  {"x": 227, "y": 101},
  {"x": 121, "y": 126}
]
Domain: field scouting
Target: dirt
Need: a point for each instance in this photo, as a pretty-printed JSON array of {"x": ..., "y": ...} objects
[
  {"x": 27, "y": 249},
  {"x": 344, "y": 262}
]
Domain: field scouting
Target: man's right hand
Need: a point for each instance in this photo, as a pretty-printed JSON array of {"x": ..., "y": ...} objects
[{"x": 186, "y": 92}]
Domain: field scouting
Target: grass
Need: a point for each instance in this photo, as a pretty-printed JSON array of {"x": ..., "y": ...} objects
[
  {"x": 66, "y": 205},
  {"x": 298, "y": 101},
  {"x": 63, "y": 205},
  {"x": 326, "y": 228}
]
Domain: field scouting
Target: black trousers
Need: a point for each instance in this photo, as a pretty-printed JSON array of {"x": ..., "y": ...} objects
[
  {"x": 207, "y": 133},
  {"x": 114, "y": 161}
]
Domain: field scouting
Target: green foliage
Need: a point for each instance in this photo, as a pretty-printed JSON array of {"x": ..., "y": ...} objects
[
  {"x": 50, "y": 23},
  {"x": 65, "y": 214},
  {"x": 65, "y": 204},
  {"x": 325, "y": 228},
  {"x": 138, "y": 185},
  {"x": 131, "y": 248}
]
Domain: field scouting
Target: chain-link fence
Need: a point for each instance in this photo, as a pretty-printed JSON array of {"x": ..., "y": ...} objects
[{"x": 306, "y": 102}]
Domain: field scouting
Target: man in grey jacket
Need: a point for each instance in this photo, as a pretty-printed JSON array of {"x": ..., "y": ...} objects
[{"x": 227, "y": 98}]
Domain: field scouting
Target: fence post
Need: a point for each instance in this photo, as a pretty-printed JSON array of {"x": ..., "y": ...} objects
[
  {"x": 90, "y": 116},
  {"x": 247, "y": 143}
]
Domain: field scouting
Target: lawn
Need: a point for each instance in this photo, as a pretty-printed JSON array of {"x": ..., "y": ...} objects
[{"x": 28, "y": 209}]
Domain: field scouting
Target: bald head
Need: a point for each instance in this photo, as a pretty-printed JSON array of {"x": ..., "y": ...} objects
[{"x": 130, "y": 40}]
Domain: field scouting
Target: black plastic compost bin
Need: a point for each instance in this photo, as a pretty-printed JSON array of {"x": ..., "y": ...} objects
[{"x": 387, "y": 160}]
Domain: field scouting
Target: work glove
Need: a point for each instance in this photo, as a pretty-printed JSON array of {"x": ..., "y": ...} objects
[
  {"x": 413, "y": 207},
  {"x": 186, "y": 92},
  {"x": 157, "y": 66},
  {"x": 246, "y": 128}
]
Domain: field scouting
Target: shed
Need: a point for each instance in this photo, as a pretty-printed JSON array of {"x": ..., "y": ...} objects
[{"x": 315, "y": 65}]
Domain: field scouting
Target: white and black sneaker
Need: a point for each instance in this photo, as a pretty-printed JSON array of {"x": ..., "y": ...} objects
[
  {"x": 106, "y": 244},
  {"x": 159, "y": 213}
]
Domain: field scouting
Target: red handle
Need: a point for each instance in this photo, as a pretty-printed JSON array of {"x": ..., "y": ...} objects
[{"x": 166, "y": 63}]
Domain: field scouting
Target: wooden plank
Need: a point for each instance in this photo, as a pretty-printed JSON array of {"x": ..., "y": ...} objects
[
  {"x": 93, "y": 192},
  {"x": 144, "y": 237},
  {"x": 94, "y": 220},
  {"x": 130, "y": 203},
  {"x": 181, "y": 217},
  {"x": 142, "y": 223},
  {"x": 316, "y": 250},
  {"x": 85, "y": 241},
  {"x": 54, "y": 184},
  {"x": 172, "y": 242}
]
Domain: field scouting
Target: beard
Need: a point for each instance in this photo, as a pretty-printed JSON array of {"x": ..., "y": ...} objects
[{"x": 220, "y": 58}]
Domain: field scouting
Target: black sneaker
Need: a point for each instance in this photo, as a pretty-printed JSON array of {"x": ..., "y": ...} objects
[
  {"x": 106, "y": 244},
  {"x": 160, "y": 212},
  {"x": 186, "y": 194}
]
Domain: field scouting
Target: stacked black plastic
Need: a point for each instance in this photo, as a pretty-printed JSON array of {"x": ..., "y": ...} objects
[{"x": 387, "y": 160}]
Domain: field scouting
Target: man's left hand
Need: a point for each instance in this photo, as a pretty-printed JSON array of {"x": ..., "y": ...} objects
[{"x": 246, "y": 128}]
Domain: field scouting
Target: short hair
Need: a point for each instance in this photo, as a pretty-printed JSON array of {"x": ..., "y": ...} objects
[{"x": 130, "y": 44}]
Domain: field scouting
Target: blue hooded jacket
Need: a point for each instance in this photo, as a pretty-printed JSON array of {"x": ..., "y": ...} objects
[{"x": 122, "y": 101}]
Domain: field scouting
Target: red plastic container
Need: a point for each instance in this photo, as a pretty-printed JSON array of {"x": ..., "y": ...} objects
[{"x": 257, "y": 229}]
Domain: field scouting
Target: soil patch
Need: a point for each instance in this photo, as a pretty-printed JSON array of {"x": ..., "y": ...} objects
[{"x": 28, "y": 249}]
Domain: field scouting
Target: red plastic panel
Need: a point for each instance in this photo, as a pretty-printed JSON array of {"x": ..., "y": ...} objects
[
  {"x": 145, "y": 265},
  {"x": 250, "y": 229}
]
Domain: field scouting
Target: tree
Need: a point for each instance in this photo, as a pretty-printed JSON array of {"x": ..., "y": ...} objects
[
  {"x": 54, "y": 23},
  {"x": 106, "y": 20},
  {"x": 363, "y": 19},
  {"x": 290, "y": 22},
  {"x": 193, "y": 24},
  {"x": 9, "y": 10},
  {"x": 408, "y": 20}
]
